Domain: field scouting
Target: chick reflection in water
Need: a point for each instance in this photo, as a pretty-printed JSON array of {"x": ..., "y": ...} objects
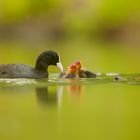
[
  {"x": 49, "y": 96},
  {"x": 75, "y": 91}
]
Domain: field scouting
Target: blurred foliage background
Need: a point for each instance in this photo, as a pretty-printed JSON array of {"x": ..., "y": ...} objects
[{"x": 105, "y": 34}]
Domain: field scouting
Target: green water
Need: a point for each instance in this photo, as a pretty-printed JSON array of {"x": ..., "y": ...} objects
[{"x": 60, "y": 109}]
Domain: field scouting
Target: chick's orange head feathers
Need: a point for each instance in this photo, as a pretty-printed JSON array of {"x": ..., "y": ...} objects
[
  {"x": 75, "y": 67},
  {"x": 72, "y": 68},
  {"x": 78, "y": 65}
]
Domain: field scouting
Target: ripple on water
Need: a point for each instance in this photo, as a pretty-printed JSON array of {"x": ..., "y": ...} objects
[
  {"x": 19, "y": 81},
  {"x": 131, "y": 79}
]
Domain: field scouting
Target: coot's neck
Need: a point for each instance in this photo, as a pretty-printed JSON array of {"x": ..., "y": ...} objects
[{"x": 43, "y": 67}]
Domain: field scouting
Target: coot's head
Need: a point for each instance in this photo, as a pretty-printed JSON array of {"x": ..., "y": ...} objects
[{"x": 46, "y": 59}]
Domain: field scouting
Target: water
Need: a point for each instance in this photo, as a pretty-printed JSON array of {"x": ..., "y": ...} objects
[{"x": 101, "y": 108}]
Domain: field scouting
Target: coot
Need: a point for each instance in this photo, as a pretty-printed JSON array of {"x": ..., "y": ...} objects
[{"x": 44, "y": 60}]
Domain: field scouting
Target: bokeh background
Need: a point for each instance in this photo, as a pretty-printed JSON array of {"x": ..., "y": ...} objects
[{"x": 104, "y": 34}]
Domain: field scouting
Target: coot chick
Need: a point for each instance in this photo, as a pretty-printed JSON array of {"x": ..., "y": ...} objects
[
  {"x": 75, "y": 71},
  {"x": 44, "y": 60}
]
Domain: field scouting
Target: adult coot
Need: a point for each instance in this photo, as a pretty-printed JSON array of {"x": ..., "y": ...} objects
[{"x": 43, "y": 61}]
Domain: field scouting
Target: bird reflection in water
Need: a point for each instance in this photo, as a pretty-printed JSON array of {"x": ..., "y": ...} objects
[
  {"x": 75, "y": 91},
  {"x": 52, "y": 95},
  {"x": 49, "y": 96}
]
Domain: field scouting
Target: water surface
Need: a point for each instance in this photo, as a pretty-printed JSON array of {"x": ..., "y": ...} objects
[{"x": 101, "y": 108}]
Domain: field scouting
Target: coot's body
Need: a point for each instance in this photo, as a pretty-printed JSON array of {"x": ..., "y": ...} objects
[
  {"x": 86, "y": 74},
  {"x": 20, "y": 71},
  {"x": 44, "y": 60}
]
